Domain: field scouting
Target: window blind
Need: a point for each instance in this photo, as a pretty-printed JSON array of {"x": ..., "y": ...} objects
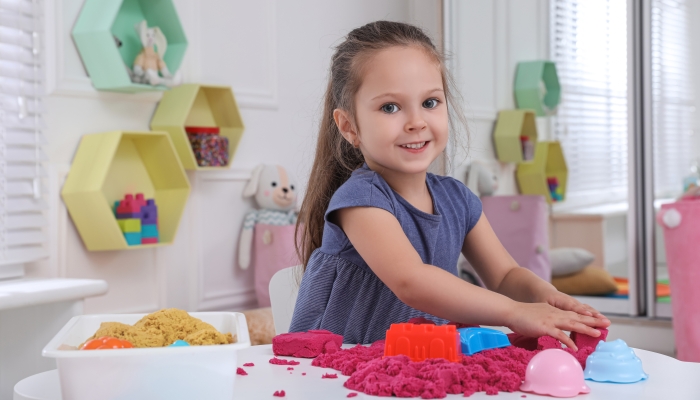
[
  {"x": 23, "y": 206},
  {"x": 672, "y": 96},
  {"x": 589, "y": 47}
]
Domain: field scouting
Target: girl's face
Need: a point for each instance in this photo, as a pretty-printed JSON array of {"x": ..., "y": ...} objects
[{"x": 401, "y": 112}]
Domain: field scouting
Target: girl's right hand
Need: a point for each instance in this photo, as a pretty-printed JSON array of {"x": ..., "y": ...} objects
[{"x": 539, "y": 319}]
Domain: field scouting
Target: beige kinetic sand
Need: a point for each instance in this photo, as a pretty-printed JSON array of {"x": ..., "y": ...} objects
[{"x": 164, "y": 327}]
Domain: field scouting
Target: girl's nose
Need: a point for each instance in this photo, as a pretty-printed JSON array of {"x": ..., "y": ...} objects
[{"x": 416, "y": 124}]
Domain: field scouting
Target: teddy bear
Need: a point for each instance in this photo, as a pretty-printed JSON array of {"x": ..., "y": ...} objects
[{"x": 267, "y": 237}]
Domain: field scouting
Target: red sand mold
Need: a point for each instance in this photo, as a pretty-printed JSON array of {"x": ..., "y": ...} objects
[
  {"x": 248, "y": 365},
  {"x": 279, "y": 361},
  {"x": 241, "y": 371},
  {"x": 491, "y": 371},
  {"x": 279, "y": 393},
  {"x": 329, "y": 376},
  {"x": 306, "y": 344}
]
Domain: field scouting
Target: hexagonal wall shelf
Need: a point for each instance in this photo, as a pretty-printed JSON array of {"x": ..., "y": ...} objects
[
  {"x": 510, "y": 126},
  {"x": 549, "y": 162},
  {"x": 198, "y": 105},
  {"x": 109, "y": 165},
  {"x": 537, "y": 87},
  {"x": 104, "y": 23}
]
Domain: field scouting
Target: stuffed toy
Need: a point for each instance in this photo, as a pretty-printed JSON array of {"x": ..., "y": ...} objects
[
  {"x": 481, "y": 179},
  {"x": 267, "y": 238},
  {"x": 149, "y": 62}
]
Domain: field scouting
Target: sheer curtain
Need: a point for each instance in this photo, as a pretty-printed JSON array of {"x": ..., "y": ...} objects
[
  {"x": 589, "y": 46},
  {"x": 672, "y": 96},
  {"x": 23, "y": 205}
]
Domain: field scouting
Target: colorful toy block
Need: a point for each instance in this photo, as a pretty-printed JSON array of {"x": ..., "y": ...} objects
[
  {"x": 132, "y": 238},
  {"x": 420, "y": 342},
  {"x": 149, "y": 231},
  {"x": 149, "y": 213},
  {"x": 129, "y": 225},
  {"x": 149, "y": 240}
]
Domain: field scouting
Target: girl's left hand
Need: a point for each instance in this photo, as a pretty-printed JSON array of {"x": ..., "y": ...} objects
[{"x": 567, "y": 303}]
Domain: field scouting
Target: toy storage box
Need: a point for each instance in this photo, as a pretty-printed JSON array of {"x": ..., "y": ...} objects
[{"x": 193, "y": 372}]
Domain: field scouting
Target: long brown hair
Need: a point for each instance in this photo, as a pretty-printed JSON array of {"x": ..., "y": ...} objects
[{"x": 335, "y": 158}]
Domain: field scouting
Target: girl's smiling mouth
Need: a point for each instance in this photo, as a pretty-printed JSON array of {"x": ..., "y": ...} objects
[{"x": 415, "y": 147}]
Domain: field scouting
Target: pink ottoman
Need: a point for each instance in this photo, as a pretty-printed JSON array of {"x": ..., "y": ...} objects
[{"x": 681, "y": 225}]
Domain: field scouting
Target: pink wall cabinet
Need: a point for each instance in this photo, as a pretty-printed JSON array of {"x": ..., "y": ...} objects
[
  {"x": 681, "y": 225},
  {"x": 521, "y": 224}
]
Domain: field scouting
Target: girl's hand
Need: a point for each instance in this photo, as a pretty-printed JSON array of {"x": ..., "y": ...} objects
[
  {"x": 567, "y": 303},
  {"x": 539, "y": 319}
]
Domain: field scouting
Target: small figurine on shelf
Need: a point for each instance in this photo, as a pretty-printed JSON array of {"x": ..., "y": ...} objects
[
  {"x": 267, "y": 237},
  {"x": 137, "y": 219},
  {"x": 149, "y": 62}
]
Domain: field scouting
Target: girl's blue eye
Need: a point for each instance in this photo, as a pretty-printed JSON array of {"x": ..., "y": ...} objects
[
  {"x": 431, "y": 103},
  {"x": 390, "y": 108}
]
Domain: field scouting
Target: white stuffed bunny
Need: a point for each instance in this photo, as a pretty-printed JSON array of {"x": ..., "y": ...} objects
[
  {"x": 267, "y": 237},
  {"x": 149, "y": 61},
  {"x": 481, "y": 179}
]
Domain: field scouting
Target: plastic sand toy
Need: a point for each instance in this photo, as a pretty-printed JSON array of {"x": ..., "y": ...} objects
[
  {"x": 474, "y": 340},
  {"x": 614, "y": 362},
  {"x": 179, "y": 343},
  {"x": 556, "y": 373},
  {"x": 420, "y": 342}
]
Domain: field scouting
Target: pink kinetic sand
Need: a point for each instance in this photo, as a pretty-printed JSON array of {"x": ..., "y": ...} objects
[
  {"x": 306, "y": 344},
  {"x": 248, "y": 365},
  {"x": 588, "y": 341},
  {"x": 279, "y": 361},
  {"x": 330, "y": 376},
  {"x": 491, "y": 371},
  {"x": 241, "y": 371},
  {"x": 279, "y": 393},
  {"x": 353, "y": 394}
]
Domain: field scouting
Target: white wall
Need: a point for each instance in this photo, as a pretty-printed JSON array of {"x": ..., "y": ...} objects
[
  {"x": 489, "y": 38},
  {"x": 275, "y": 55}
]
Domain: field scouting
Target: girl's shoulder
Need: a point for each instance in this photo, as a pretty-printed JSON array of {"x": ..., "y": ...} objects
[
  {"x": 452, "y": 194},
  {"x": 364, "y": 188}
]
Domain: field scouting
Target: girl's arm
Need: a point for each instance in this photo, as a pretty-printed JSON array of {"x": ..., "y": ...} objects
[
  {"x": 380, "y": 240},
  {"x": 502, "y": 274}
]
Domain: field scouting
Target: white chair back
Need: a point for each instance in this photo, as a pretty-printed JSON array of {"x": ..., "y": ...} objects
[{"x": 283, "y": 297}]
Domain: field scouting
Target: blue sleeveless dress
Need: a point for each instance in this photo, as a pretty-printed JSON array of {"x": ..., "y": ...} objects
[{"x": 340, "y": 293}]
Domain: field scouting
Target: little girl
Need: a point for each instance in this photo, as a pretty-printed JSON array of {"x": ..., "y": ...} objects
[{"x": 382, "y": 235}]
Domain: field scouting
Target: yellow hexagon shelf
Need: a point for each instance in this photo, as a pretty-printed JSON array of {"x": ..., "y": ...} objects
[
  {"x": 109, "y": 165},
  {"x": 198, "y": 105},
  {"x": 511, "y": 125},
  {"x": 549, "y": 164}
]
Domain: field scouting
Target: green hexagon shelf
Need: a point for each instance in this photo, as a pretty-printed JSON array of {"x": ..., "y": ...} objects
[
  {"x": 198, "y": 105},
  {"x": 101, "y": 21},
  {"x": 510, "y": 126},
  {"x": 549, "y": 162},
  {"x": 537, "y": 87},
  {"x": 109, "y": 165}
]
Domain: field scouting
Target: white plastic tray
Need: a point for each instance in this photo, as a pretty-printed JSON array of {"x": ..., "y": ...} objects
[{"x": 194, "y": 372}]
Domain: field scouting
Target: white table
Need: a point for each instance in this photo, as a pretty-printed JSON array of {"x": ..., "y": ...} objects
[
  {"x": 31, "y": 312},
  {"x": 668, "y": 379}
]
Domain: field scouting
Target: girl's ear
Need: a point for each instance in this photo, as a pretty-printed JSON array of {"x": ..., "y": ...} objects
[{"x": 344, "y": 124}]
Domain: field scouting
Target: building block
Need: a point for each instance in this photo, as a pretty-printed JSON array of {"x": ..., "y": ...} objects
[
  {"x": 420, "y": 342},
  {"x": 149, "y": 230},
  {"x": 133, "y": 238},
  {"x": 149, "y": 213},
  {"x": 130, "y": 225},
  {"x": 149, "y": 240},
  {"x": 474, "y": 340}
]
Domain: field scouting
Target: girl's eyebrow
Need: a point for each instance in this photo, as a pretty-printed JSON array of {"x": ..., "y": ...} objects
[{"x": 399, "y": 94}]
